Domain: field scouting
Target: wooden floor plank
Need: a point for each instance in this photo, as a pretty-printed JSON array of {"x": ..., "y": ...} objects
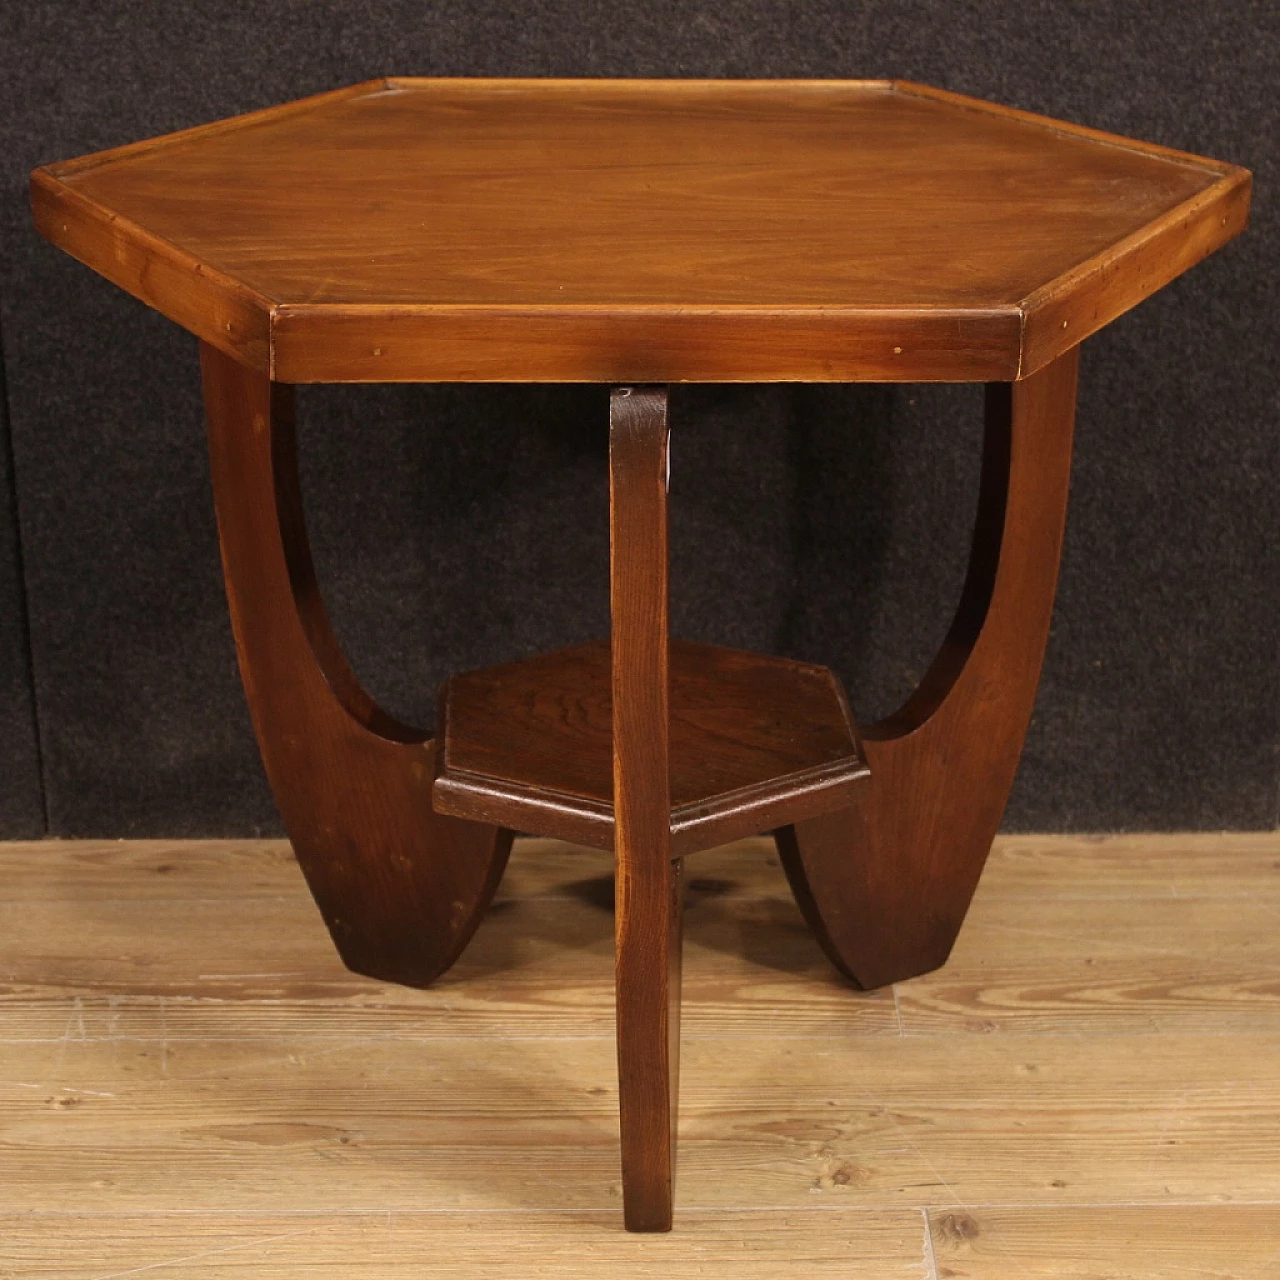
[
  {"x": 192, "y": 1084},
  {"x": 1192, "y": 864},
  {"x": 93, "y": 870},
  {"x": 1204, "y": 1242},
  {"x": 532, "y": 1124},
  {"x": 758, "y": 1246},
  {"x": 538, "y": 966},
  {"x": 1203, "y": 864},
  {"x": 1106, "y": 966}
]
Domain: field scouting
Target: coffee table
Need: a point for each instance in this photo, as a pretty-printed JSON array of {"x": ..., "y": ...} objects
[{"x": 641, "y": 233}]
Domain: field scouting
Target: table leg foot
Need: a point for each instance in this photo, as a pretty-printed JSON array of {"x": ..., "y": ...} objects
[
  {"x": 648, "y": 884},
  {"x": 648, "y": 1014},
  {"x": 886, "y": 884},
  {"x": 400, "y": 887}
]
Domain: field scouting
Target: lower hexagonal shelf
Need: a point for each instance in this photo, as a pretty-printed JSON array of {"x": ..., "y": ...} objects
[{"x": 756, "y": 743}]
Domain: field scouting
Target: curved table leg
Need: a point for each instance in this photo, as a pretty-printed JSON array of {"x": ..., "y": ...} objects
[
  {"x": 400, "y": 887},
  {"x": 886, "y": 885},
  {"x": 647, "y": 884}
]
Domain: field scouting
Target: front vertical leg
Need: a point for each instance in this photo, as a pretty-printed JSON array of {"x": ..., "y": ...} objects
[{"x": 648, "y": 883}]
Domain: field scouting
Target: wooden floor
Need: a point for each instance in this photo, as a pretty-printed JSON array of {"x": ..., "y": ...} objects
[{"x": 191, "y": 1085}]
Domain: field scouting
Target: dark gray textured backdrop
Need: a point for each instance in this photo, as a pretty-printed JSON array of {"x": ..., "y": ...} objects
[{"x": 455, "y": 526}]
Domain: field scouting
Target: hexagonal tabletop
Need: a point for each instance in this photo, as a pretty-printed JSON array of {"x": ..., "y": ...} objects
[
  {"x": 652, "y": 231},
  {"x": 756, "y": 742}
]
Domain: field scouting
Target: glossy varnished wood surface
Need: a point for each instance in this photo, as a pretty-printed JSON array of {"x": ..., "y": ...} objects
[
  {"x": 755, "y": 742},
  {"x": 641, "y": 230},
  {"x": 648, "y": 885},
  {"x": 190, "y": 1080}
]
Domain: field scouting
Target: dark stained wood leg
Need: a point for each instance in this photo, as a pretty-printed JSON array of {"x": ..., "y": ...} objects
[
  {"x": 400, "y": 887},
  {"x": 648, "y": 884},
  {"x": 886, "y": 884}
]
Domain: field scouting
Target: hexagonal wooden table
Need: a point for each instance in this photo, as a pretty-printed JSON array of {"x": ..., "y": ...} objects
[{"x": 641, "y": 232}]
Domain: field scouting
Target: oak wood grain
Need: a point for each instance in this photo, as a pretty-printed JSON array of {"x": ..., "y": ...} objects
[
  {"x": 657, "y": 344},
  {"x": 649, "y": 231},
  {"x": 754, "y": 742}
]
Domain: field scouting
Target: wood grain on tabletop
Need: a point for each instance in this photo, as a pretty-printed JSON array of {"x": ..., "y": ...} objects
[{"x": 434, "y": 230}]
